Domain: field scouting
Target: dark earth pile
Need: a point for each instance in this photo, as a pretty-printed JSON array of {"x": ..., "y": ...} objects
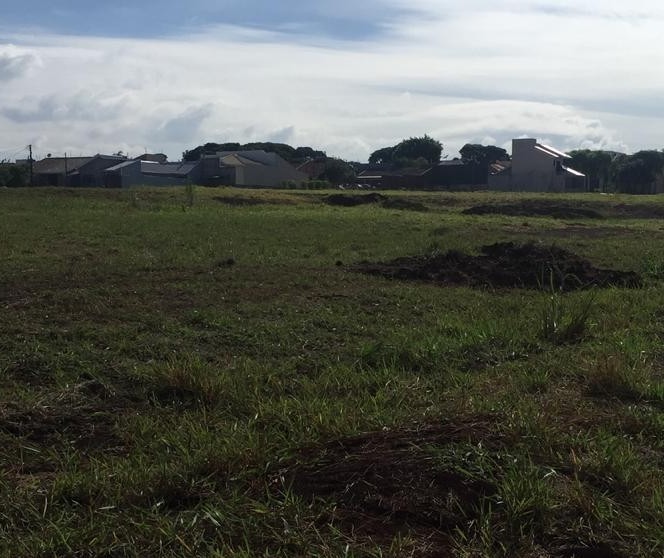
[
  {"x": 504, "y": 264},
  {"x": 246, "y": 201},
  {"x": 352, "y": 200},
  {"x": 536, "y": 208},
  {"x": 385, "y": 482},
  {"x": 392, "y": 482},
  {"x": 563, "y": 209}
]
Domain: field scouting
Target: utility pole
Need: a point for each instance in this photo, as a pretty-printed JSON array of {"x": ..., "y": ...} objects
[
  {"x": 66, "y": 171},
  {"x": 30, "y": 161}
]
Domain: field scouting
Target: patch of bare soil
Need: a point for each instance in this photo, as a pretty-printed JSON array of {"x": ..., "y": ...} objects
[
  {"x": 245, "y": 200},
  {"x": 637, "y": 211},
  {"x": 82, "y": 417},
  {"x": 386, "y": 483},
  {"x": 352, "y": 200},
  {"x": 404, "y": 204},
  {"x": 389, "y": 483},
  {"x": 504, "y": 265},
  {"x": 562, "y": 209},
  {"x": 236, "y": 200},
  {"x": 32, "y": 370},
  {"x": 536, "y": 208}
]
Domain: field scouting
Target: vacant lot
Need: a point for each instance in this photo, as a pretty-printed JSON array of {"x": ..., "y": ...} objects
[{"x": 224, "y": 378}]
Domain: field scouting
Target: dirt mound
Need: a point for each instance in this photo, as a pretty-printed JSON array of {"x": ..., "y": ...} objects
[
  {"x": 238, "y": 200},
  {"x": 562, "y": 209},
  {"x": 536, "y": 208},
  {"x": 352, "y": 200},
  {"x": 385, "y": 483},
  {"x": 504, "y": 264}
]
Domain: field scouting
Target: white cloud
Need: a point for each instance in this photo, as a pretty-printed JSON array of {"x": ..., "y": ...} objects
[
  {"x": 468, "y": 72},
  {"x": 15, "y": 62}
]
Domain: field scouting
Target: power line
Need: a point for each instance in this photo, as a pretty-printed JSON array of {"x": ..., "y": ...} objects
[{"x": 11, "y": 153}]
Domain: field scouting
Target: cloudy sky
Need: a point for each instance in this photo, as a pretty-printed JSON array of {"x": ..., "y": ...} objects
[{"x": 346, "y": 76}]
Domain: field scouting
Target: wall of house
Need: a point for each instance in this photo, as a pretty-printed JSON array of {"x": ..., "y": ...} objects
[
  {"x": 533, "y": 170},
  {"x": 394, "y": 181},
  {"x": 124, "y": 177},
  {"x": 45, "y": 179},
  {"x": 575, "y": 183},
  {"x": 92, "y": 174},
  {"x": 500, "y": 182},
  {"x": 464, "y": 176},
  {"x": 267, "y": 177},
  {"x": 213, "y": 174},
  {"x": 131, "y": 175},
  {"x": 271, "y": 174}
]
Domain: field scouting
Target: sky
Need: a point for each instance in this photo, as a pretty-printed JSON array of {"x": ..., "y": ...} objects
[{"x": 348, "y": 77}]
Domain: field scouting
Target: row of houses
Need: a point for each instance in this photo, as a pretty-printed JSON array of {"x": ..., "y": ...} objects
[
  {"x": 234, "y": 168},
  {"x": 533, "y": 167}
]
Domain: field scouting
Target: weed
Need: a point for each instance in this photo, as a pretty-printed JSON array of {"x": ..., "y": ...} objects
[
  {"x": 614, "y": 376},
  {"x": 526, "y": 495},
  {"x": 185, "y": 381},
  {"x": 481, "y": 537},
  {"x": 653, "y": 267},
  {"x": 189, "y": 193},
  {"x": 563, "y": 320}
]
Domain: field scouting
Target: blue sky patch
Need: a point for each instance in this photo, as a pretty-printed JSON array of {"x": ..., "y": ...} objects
[{"x": 151, "y": 18}]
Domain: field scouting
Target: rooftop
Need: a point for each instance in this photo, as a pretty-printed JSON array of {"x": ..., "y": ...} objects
[
  {"x": 172, "y": 169},
  {"x": 551, "y": 151},
  {"x": 60, "y": 165}
]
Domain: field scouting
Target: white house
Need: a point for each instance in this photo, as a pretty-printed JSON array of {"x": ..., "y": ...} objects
[{"x": 536, "y": 167}]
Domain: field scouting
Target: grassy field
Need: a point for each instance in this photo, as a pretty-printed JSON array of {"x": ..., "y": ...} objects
[{"x": 204, "y": 374}]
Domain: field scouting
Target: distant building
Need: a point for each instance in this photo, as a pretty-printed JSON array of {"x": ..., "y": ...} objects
[
  {"x": 454, "y": 174},
  {"x": 535, "y": 167},
  {"x": 254, "y": 168},
  {"x": 313, "y": 168},
  {"x": 394, "y": 179},
  {"x": 73, "y": 171},
  {"x": 228, "y": 168},
  {"x": 154, "y": 157},
  {"x": 150, "y": 173}
]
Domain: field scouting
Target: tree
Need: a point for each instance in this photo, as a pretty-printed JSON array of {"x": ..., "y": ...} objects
[
  {"x": 638, "y": 173},
  {"x": 338, "y": 171},
  {"x": 413, "y": 148},
  {"x": 595, "y": 164},
  {"x": 482, "y": 155},
  {"x": 409, "y": 153},
  {"x": 303, "y": 153},
  {"x": 285, "y": 151},
  {"x": 13, "y": 175},
  {"x": 477, "y": 158},
  {"x": 382, "y": 156}
]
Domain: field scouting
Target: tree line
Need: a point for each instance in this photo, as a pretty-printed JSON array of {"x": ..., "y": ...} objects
[
  {"x": 13, "y": 175},
  {"x": 610, "y": 171},
  {"x": 294, "y": 155}
]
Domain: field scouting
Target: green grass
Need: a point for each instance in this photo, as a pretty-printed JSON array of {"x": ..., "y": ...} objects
[{"x": 179, "y": 367}]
